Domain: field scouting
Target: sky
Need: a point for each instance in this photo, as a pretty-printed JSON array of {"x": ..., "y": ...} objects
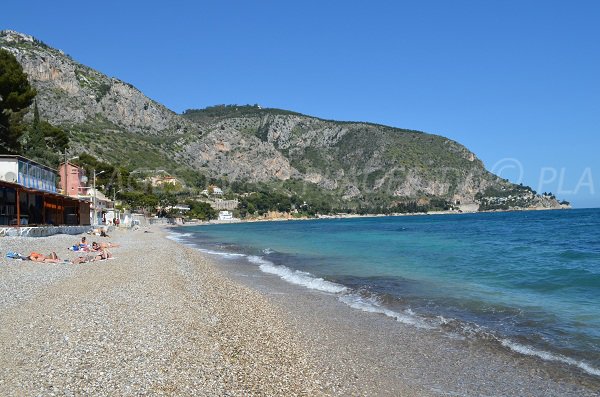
[{"x": 517, "y": 82}]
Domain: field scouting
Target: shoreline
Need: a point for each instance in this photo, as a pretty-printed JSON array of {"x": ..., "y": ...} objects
[
  {"x": 486, "y": 359},
  {"x": 166, "y": 319},
  {"x": 357, "y": 216}
]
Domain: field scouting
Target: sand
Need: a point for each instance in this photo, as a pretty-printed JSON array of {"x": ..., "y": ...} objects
[{"x": 164, "y": 319}]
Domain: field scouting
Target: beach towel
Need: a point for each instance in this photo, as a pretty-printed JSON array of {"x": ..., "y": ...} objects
[{"x": 15, "y": 255}]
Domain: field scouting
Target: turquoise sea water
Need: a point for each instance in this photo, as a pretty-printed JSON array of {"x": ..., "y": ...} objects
[{"x": 527, "y": 281}]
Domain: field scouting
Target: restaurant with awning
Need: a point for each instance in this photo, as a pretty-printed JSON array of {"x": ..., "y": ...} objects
[{"x": 29, "y": 196}]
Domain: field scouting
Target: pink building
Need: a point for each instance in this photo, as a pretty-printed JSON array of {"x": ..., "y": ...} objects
[{"x": 72, "y": 179}]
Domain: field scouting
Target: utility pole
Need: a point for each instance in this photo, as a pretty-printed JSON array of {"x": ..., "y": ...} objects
[
  {"x": 66, "y": 184},
  {"x": 94, "y": 187},
  {"x": 94, "y": 200}
]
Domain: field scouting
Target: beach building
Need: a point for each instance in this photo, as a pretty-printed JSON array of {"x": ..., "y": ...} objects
[
  {"x": 29, "y": 196},
  {"x": 98, "y": 211},
  {"x": 112, "y": 214},
  {"x": 72, "y": 179},
  {"x": 73, "y": 182}
]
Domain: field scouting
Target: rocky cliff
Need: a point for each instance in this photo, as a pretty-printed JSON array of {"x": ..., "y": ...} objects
[
  {"x": 355, "y": 160},
  {"x": 350, "y": 162}
]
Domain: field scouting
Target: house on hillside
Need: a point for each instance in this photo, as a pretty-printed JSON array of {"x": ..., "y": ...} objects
[
  {"x": 163, "y": 180},
  {"x": 212, "y": 190}
]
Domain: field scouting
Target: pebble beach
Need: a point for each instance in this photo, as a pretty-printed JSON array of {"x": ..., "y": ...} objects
[{"x": 162, "y": 319}]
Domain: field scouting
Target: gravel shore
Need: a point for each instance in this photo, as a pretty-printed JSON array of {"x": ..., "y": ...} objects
[
  {"x": 157, "y": 320},
  {"x": 164, "y": 319}
]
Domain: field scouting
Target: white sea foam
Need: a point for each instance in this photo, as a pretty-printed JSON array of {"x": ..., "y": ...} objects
[
  {"x": 267, "y": 251},
  {"x": 355, "y": 301},
  {"x": 228, "y": 255},
  {"x": 180, "y": 239},
  {"x": 544, "y": 355},
  {"x": 178, "y": 236},
  {"x": 372, "y": 305},
  {"x": 297, "y": 277}
]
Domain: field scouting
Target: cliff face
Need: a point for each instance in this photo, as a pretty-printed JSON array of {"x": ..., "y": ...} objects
[
  {"x": 69, "y": 93},
  {"x": 354, "y": 160},
  {"x": 357, "y": 162}
]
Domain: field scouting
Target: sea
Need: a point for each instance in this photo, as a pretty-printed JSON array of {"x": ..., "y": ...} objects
[{"x": 524, "y": 281}]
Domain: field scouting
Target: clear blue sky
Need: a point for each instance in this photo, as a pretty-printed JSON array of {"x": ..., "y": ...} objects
[{"x": 509, "y": 79}]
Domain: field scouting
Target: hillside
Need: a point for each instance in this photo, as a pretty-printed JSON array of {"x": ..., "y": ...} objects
[
  {"x": 353, "y": 159},
  {"x": 349, "y": 164}
]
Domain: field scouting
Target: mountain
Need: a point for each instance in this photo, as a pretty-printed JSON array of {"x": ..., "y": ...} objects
[{"x": 350, "y": 164}]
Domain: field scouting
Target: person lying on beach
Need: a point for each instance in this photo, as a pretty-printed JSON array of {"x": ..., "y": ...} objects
[
  {"x": 96, "y": 256},
  {"x": 103, "y": 249},
  {"x": 37, "y": 257},
  {"x": 96, "y": 246},
  {"x": 81, "y": 246}
]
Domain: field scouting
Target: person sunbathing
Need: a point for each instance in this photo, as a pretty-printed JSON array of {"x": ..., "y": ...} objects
[
  {"x": 102, "y": 249},
  {"x": 37, "y": 257},
  {"x": 81, "y": 246},
  {"x": 96, "y": 246},
  {"x": 105, "y": 254},
  {"x": 96, "y": 256}
]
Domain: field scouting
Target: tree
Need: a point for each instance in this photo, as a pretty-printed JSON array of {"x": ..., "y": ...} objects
[
  {"x": 16, "y": 95},
  {"x": 45, "y": 142},
  {"x": 166, "y": 200},
  {"x": 55, "y": 138},
  {"x": 201, "y": 210},
  {"x": 36, "y": 137}
]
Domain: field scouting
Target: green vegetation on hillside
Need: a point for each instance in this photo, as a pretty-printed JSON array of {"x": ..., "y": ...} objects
[
  {"x": 44, "y": 142},
  {"x": 505, "y": 197},
  {"x": 16, "y": 95},
  {"x": 89, "y": 78},
  {"x": 212, "y": 113}
]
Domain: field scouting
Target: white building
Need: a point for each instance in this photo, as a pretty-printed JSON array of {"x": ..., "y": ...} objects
[
  {"x": 180, "y": 208},
  {"x": 103, "y": 205},
  {"x": 212, "y": 191},
  {"x": 225, "y": 215}
]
